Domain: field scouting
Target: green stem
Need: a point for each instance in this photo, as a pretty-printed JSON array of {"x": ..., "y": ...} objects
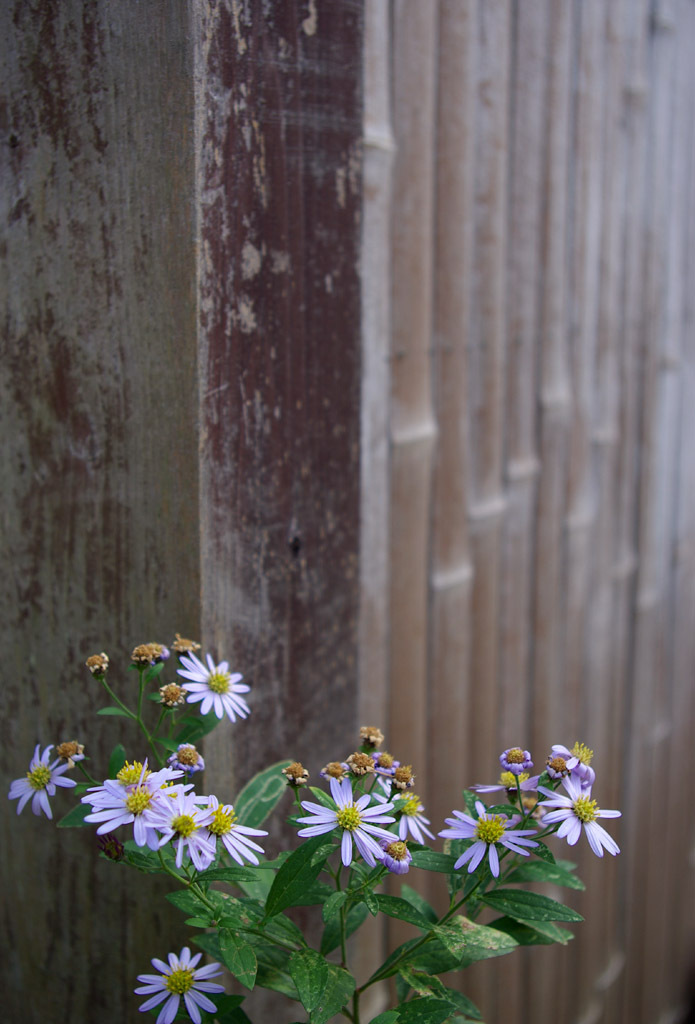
[
  {"x": 86, "y": 773},
  {"x": 122, "y": 706}
]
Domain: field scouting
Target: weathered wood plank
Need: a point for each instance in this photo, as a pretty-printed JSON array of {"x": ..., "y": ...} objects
[{"x": 98, "y": 454}]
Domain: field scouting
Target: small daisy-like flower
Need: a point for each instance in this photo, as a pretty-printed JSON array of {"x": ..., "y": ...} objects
[
  {"x": 180, "y": 978},
  {"x": 516, "y": 760},
  {"x": 384, "y": 763},
  {"x": 360, "y": 764},
  {"x": 215, "y": 686},
  {"x": 296, "y": 774},
  {"x": 183, "y": 822},
  {"x": 71, "y": 751},
  {"x": 334, "y": 770},
  {"x": 576, "y": 811},
  {"x": 412, "y": 820},
  {"x": 172, "y": 694},
  {"x": 396, "y": 856},
  {"x": 182, "y": 645},
  {"x": 556, "y": 766},
  {"x": 98, "y": 664},
  {"x": 355, "y": 817},
  {"x": 371, "y": 736},
  {"x": 121, "y": 801},
  {"x": 577, "y": 760},
  {"x": 403, "y": 777},
  {"x": 148, "y": 654},
  {"x": 487, "y": 831},
  {"x": 187, "y": 759},
  {"x": 40, "y": 782},
  {"x": 508, "y": 781},
  {"x": 235, "y": 837}
]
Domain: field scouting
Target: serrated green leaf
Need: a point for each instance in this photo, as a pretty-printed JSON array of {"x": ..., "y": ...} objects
[
  {"x": 309, "y": 972},
  {"x": 419, "y": 902},
  {"x": 533, "y": 933},
  {"x": 234, "y": 875},
  {"x": 470, "y": 941},
  {"x": 116, "y": 760},
  {"x": 261, "y": 795},
  {"x": 541, "y": 871},
  {"x": 338, "y": 989},
  {"x": 355, "y": 917},
  {"x": 116, "y": 712},
  {"x": 75, "y": 817},
  {"x": 394, "y": 906},
  {"x": 238, "y": 956},
  {"x": 333, "y": 904},
  {"x": 543, "y": 853},
  {"x": 431, "y": 860},
  {"x": 529, "y": 906},
  {"x": 296, "y": 874},
  {"x": 424, "y": 1010}
]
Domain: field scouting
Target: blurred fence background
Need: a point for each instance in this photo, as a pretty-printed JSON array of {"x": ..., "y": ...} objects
[{"x": 357, "y": 339}]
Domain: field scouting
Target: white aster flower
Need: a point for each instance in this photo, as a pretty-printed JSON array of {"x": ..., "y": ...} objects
[
  {"x": 223, "y": 824},
  {"x": 577, "y": 762},
  {"x": 181, "y": 821},
  {"x": 215, "y": 686},
  {"x": 180, "y": 978},
  {"x": 355, "y": 817},
  {"x": 40, "y": 782},
  {"x": 121, "y": 801},
  {"x": 487, "y": 831},
  {"x": 412, "y": 819},
  {"x": 576, "y": 811}
]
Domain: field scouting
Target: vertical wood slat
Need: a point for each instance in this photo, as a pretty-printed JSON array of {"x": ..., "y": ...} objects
[
  {"x": 98, "y": 454},
  {"x": 412, "y": 424}
]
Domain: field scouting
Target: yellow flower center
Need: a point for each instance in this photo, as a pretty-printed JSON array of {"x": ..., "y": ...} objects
[
  {"x": 40, "y": 777},
  {"x": 349, "y": 818},
  {"x": 583, "y": 752},
  {"x": 131, "y": 772},
  {"x": 397, "y": 850},
  {"x": 179, "y": 982},
  {"x": 385, "y": 760},
  {"x": 219, "y": 682},
  {"x": 222, "y": 821},
  {"x": 188, "y": 755},
  {"x": 586, "y": 809},
  {"x": 515, "y": 755},
  {"x": 410, "y": 804},
  {"x": 139, "y": 800},
  {"x": 508, "y": 779},
  {"x": 491, "y": 830},
  {"x": 184, "y": 825}
]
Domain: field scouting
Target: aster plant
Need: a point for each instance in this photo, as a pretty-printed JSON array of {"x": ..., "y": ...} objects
[{"x": 362, "y": 826}]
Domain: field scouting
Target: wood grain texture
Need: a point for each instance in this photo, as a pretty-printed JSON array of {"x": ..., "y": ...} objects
[{"x": 98, "y": 454}]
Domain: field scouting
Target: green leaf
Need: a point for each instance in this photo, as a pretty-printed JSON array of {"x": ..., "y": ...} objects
[
  {"x": 338, "y": 989},
  {"x": 309, "y": 972},
  {"x": 425, "y": 1010},
  {"x": 393, "y": 962},
  {"x": 116, "y": 712},
  {"x": 168, "y": 744},
  {"x": 370, "y": 900},
  {"x": 529, "y": 906},
  {"x": 533, "y": 933},
  {"x": 314, "y": 894},
  {"x": 153, "y": 671},
  {"x": 261, "y": 795},
  {"x": 542, "y": 871},
  {"x": 431, "y": 860},
  {"x": 189, "y": 903},
  {"x": 116, "y": 760},
  {"x": 419, "y": 902},
  {"x": 80, "y": 789},
  {"x": 282, "y": 929},
  {"x": 297, "y": 873},
  {"x": 234, "y": 875},
  {"x": 394, "y": 906},
  {"x": 141, "y": 858},
  {"x": 229, "y": 1010},
  {"x": 75, "y": 817},
  {"x": 322, "y": 797},
  {"x": 425, "y": 984},
  {"x": 333, "y": 904},
  {"x": 470, "y": 942},
  {"x": 238, "y": 956},
  {"x": 261, "y": 884},
  {"x": 543, "y": 852},
  {"x": 195, "y": 727},
  {"x": 389, "y": 1017},
  {"x": 331, "y": 933}
]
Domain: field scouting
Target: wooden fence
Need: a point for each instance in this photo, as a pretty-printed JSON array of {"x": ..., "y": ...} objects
[{"x": 356, "y": 338}]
